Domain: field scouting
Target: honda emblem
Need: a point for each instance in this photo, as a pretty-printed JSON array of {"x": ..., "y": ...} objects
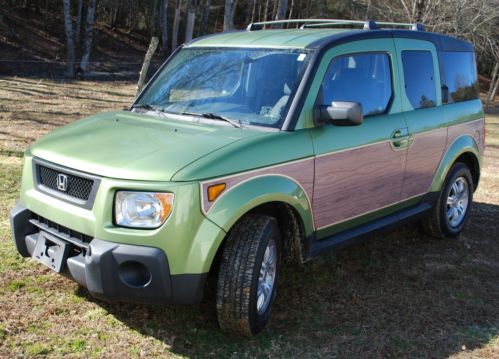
[{"x": 62, "y": 182}]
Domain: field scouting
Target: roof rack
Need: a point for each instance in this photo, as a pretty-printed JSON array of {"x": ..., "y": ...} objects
[{"x": 307, "y": 23}]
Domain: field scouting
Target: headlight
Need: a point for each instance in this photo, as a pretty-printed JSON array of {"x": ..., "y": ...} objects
[{"x": 142, "y": 209}]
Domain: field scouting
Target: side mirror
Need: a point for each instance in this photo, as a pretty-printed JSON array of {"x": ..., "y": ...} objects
[{"x": 342, "y": 113}]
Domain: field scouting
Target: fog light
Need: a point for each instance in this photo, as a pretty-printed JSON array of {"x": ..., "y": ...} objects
[{"x": 134, "y": 274}]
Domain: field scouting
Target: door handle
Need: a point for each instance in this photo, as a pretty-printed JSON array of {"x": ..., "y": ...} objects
[{"x": 400, "y": 139}]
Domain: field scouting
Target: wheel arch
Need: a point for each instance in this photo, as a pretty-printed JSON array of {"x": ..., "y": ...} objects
[
  {"x": 278, "y": 196},
  {"x": 463, "y": 149}
]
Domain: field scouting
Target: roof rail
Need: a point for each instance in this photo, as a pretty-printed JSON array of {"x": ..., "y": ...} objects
[{"x": 306, "y": 23}]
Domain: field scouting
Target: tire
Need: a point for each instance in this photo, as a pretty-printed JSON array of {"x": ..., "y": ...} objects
[
  {"x": 453, "y": 207},
  {"x": 252, "y": 239}
]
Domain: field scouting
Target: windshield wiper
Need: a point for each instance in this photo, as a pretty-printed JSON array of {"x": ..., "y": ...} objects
[
  {"x": 215, "y": 116},
  {"x": 143, "y": 106}
]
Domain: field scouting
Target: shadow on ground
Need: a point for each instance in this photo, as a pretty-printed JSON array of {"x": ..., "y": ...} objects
[{"x": 401, "y": 294}]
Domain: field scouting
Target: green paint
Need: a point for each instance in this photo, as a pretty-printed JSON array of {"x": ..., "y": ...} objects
[
  {"x": 299, "y": 38},
  {"x": 158, "y": 153}
]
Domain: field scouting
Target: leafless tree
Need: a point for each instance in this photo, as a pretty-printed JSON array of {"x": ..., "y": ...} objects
[
  {"x": 191, "y": 18},
  {"x": 320, "y": 8},
  {"x": 282, "y": 8},
  {"x": 176, "y": 24},
  {"x": 79, "y": 18},
  {"x": 474, "y": 20},
  {"x": 87, "y": 42},
  {"x": 68, "y": 28},
  {"x": 164, "y": 24},
  {"x": 204, "y": 18},
  {"x": 230, "y": 8},
  {"x": 147, "y": 61},
  {"x": 250, "y": 11},
  {"x": 494, "y": 81}
]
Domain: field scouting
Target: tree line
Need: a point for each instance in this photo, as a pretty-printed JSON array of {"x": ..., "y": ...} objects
[{"x": 176, "y": 21}]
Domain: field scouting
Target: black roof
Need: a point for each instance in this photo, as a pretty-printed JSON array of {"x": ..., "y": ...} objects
[{"x": 441, "y": 42}]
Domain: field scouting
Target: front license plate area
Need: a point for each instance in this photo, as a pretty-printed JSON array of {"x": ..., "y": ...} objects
[{"x": 51, "y": 251}]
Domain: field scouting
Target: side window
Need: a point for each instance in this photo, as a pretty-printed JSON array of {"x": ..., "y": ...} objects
[
  {"x": 419, "y": 78},
  {"x": 363, "y": 78},
  {"x": 460, "y": 76}
]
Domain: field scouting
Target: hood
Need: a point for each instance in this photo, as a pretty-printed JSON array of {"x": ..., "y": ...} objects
[{"x": 133, "y": 146}]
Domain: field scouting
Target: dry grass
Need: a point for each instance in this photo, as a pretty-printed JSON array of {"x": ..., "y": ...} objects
[{"x": 400, "y": 295}]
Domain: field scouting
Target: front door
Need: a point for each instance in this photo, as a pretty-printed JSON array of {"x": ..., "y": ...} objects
[{"x": 359, "y": 170}]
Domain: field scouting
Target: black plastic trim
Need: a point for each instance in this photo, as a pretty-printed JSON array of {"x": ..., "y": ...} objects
[
  {"x": 43, "y": 227},
  {"x": 20, "y": 228},
  {"x": 100, "y": 267},
  {"x": 357, "y": 234},
  {"x": 87, "y": 204}
]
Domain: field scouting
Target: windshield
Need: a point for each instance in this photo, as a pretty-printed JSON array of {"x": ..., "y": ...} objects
[{"x": 251, "y": 86}]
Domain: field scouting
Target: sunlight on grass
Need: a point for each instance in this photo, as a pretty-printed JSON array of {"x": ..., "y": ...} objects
[{"x": 401, "y": 295}]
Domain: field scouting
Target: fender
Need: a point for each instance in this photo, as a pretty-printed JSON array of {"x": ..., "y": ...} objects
[
  {"x": 248, "y": 194},
  {"x": 462, "y": 144}
]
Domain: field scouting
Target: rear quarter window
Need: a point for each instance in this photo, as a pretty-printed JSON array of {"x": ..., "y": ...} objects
[
  {"x": 419, "y": 78},
  {"x": 460, "y": 76}
]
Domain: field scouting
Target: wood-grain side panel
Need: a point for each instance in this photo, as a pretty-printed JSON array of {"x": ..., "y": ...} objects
[
  {"x": 473, "y": 128},
  {"x": 302, "y": 172},
  {"x": 426, "y": 153},
  {"x": 423, "y": 159},
  {"x": 357, "y": 181}
]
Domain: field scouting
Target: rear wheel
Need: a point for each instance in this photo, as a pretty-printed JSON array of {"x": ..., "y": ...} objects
[
  {"x": 248, "y": 274},
  {"x": 454, "y": 204}
]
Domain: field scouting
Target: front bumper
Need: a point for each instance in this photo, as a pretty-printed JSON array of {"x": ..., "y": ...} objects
[{"x": 109, "y": 270}]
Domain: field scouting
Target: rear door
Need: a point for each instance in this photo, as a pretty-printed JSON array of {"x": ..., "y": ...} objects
[
  {"x": 423, "y": 111},
  {"x": 359, "y": 170}
]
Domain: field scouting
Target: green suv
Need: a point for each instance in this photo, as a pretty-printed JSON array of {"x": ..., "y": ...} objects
[{"x": 253, "y": 147}]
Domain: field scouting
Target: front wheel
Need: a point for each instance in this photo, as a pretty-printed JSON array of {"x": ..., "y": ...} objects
[
  {"x": 454, "y": 204},
  {"x": 248, "y": 274}
]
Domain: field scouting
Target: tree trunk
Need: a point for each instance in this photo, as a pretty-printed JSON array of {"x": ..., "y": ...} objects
[
  {"x": 130, "y": 16},
  {"x": 176, "y": 23},
  {"x": 320, "y": 8},
  {"x": 494, "y": 91},
  {"x": 420, "y": 5},
  {"x": 274, "y": 9},
  {"x": 87, "y": 42},
  {"x": 266, "y": 10},
  {"x": 230, "y": 7},
  {"x": 291, "y": 8},
  {"x": 493, "y": 82},
  {"x": 114, "y": 12},
  {"x": 250, "y": 9},
  {"x": 368, "y": 10},
  {"x": 154, "y": 19},
  {"x": 205, "y": 16},
  {"x": 164, "y": 25},
  {"x": 147, "y": 61},
  {"x": 282, "y": 8},
  {"x": 79, "y": 18},
  {"x": 68, "y": 28},
  {"x": 191, "y": 18}
]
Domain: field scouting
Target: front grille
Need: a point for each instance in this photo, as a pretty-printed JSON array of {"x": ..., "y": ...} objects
[
  {"x": 68, "y": 185},
  {"x": 77, "y": 187}
]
